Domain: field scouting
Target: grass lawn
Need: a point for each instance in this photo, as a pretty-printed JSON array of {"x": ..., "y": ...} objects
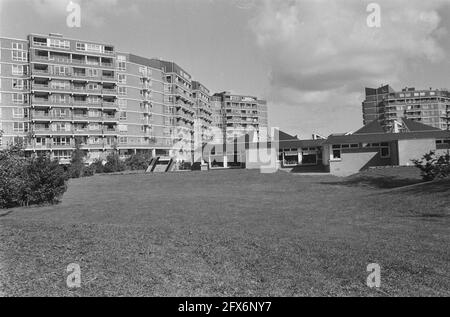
[{"x": 236, "y": 233}]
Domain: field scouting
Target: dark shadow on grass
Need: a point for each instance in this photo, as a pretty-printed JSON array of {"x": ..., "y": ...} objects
[
  {"x": 439, "y": 186},
  {"x": 384, "y": 182},
  {"x": 6, "y": 213}
]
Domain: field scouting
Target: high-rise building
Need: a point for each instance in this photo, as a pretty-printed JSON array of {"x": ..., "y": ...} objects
[
  {"x": 241, "y": 113},
  {"x": 203, "y": 111},
  {"x": 431, "y": 107},
  {"x": 57, "y": 92}
]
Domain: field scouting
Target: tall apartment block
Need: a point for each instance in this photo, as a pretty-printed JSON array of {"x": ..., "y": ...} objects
[
  {"x": 203, "y": 111},
  {"x": 241, "y": 113},
  {"x": 57, "y": 92},
  {"x": 431, "y": 107}
]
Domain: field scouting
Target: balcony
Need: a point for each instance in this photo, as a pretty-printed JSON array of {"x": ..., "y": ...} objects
[
  {"x": 109, "y": 91},
  {"x": 47, "y": 87},
  {"x": 68, "y": 60},
  {"x": 111, "y": 105}
]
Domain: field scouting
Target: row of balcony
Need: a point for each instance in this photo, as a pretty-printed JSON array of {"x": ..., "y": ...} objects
[
  {"x": 47, "y": 73},
  {"x": 71, "y": 145},
  {"x": 44, "y": 44},
  {"x": 35, "y": 116},
  {"x": 75, "y": 89},
  {"x": 76, "y": 104},
  {"x": 65, "y": 61},
  {"x": 74, "y": 131},
  {"x": 184, "y": 107}
]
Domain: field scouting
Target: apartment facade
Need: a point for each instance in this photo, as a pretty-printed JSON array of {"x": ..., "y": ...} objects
[
  {"x": 57, "y": 92},
  {"x": 431, "y": 107},
  {"x": 203, "y": 112},
  {"x": 241, "y": 113}
]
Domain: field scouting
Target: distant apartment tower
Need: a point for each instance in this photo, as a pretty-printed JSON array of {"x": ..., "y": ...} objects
[
  {"x": 431, "y": 107},
  {"x": 241, "y": 113}
]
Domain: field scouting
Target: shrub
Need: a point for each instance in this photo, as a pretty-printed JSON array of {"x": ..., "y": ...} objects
[
  {"x": 98, "y": 166},
  {"x": 138, "y": 161},
  {"x": 89, "y": 170},
  {"x": 433, "y": 166},
  {"x": 113, "y": 163},
  {"x": 26, "y": 181},
  {"x": 46, "y": 181},
  {"x": 12, "y": 178}
]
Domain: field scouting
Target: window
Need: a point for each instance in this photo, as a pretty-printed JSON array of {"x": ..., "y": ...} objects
[
  {"x": 93, "y": 86},
  {"x": 60, "y": 84},
  {"x": 123, "y": 140},
  {"x": 94, "y": 113},
  {"x": 94, "y": 126},
  {"x": 91, "y": 72},
  {"x": 19, "y": 84},
  {"x": 18, "y": 113},
  {"x": 60, "y": 98},
  {"x": 123, "y": 116},
  {"x": 122, "y": 104},
  {"x": 61, "y": 141},
  {"x": 62, "y": 154},
  {"x": 17, "y": 46},
  {"x": 58, "y": 43},
  {"x": 20, "y": 127},
  {"x": 80, "y": 47},
  {"x": 19, "y": 56},
  {"x": 385, "y": 152},
  {"x": 121, "y": 62},
  {"x": 122, "y": 78},
  {"x": 122, "y": 91},
  {"x": 336, "y": 154},
  {"x": 19, "y": 98},
  {"x": 123, "y": 128},
  {"x": 94, "y": 48},
  {"x": 61, "y": 70},
  {"x": 18, "y": 140}
]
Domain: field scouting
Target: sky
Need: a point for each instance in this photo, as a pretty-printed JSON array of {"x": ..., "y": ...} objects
[{"x": 311, "y": 60}]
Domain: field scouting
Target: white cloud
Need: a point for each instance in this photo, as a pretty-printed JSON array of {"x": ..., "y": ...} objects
[{"x": 323, "y": 51}]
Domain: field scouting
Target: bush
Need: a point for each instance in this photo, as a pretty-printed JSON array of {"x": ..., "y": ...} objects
[
  {"x": 89, "y": 170},
  {"x": 138, "y": 161},
  {"x": 433, "y": 166},
  {"x": 46, "y": 181},
  {"x": 26, "y": 181},
  {"x": 12, "y": 178},
  {"x": 113, "y": 163},
  {"x": 98, "y": 166}
]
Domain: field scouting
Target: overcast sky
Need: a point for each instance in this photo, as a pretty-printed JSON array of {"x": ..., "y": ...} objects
[{"x": 310, "y": 59}]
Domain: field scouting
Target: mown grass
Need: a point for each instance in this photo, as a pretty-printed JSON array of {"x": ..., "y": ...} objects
[{"x": 237, "y": 233}]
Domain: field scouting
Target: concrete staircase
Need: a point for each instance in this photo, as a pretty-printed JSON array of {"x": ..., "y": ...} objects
[{"x": 161, "y": 164}]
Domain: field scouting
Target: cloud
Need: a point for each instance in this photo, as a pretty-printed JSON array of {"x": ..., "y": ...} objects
[{"x": 322, "y": 53}]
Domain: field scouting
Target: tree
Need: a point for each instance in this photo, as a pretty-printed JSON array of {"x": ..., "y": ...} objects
[
  {"x": 113, "y": 162},
  {"x": 433, "y": 166},
  {"x": 76, "y": 169},
  {"x": 46, "y": 180},
  {"x": 25, "y": 181}
]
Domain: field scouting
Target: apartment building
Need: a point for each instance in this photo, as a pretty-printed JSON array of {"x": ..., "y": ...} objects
[
  {"x": 203, "y": 111},
  {"x": 57, "y": 92},
  {"x": 144, "y": 121},
  {"x": 241, "y": 113},
  {"x": 431, "y": 107},
  {"x": 15, "y": 91}
]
